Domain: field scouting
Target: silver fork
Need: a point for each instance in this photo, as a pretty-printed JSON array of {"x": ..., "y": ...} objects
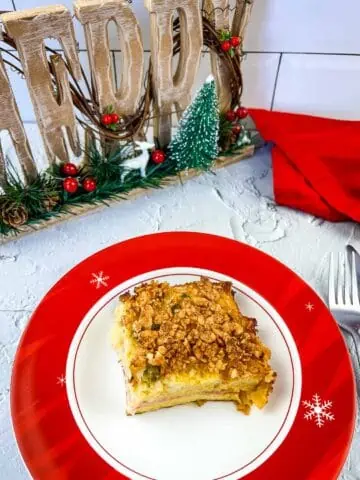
[{"x": 344, "y": 301}]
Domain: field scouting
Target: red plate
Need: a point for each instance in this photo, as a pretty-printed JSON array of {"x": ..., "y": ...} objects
[{"x": 59, "y": 442}]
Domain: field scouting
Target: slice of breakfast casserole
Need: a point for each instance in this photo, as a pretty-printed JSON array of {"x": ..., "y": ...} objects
[{"x": 189, "y": 343}]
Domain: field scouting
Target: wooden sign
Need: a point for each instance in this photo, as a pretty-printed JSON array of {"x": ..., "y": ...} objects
[{"x": 111, "y": 114}]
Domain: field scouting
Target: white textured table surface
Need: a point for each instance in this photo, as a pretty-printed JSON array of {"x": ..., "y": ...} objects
[{"x": 237, "y": 203}]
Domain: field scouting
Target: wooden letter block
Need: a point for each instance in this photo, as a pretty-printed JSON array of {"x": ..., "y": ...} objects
[
  {"x": 10, "y": 120},
  {"x": 241, "y": 17},
  {"x": 172, "y": 90},
  {"x": 218, "y": 13},
  {"x": 95, "y": 16},
  {"x": 54, "y": 109}
]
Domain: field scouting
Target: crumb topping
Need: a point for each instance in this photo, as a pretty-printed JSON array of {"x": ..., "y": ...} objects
[{"x": 191, "y": 328}]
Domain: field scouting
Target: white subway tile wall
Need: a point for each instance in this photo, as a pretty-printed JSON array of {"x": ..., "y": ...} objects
[
  {"x": 302, "y": 56},
  {"x": 6, "y": 5},
  {"x": 329, "y": 83},
  {"x": 321, "y": 26}
]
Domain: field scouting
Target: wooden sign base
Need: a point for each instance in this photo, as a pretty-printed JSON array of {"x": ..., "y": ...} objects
[{"x": 86, "y": 209}]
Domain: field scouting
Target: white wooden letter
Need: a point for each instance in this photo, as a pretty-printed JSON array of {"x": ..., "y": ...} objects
[
  {"x": 10, "y": 120},
  {"x": 95, "y": 16},
  {"x": 54, "y": 111},
  {"x": 218, "y": 12},
  {"x": 171, "y": 90}
]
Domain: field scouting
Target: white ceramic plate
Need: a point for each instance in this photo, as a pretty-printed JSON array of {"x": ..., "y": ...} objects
[{"x": 214, "y": 441}]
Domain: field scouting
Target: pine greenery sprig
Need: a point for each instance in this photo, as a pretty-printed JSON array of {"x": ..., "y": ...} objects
[
  {"x": 225, "y": 127},
  {"x": 32, "y": 196},
  {"x": 105, "y": 168}
]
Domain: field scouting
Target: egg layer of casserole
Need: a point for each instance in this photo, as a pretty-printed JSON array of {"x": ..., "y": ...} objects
[{"x": 189, "y": 343}]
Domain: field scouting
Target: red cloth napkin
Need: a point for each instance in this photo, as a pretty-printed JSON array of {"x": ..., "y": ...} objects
[{"x": 316, "y": 163}]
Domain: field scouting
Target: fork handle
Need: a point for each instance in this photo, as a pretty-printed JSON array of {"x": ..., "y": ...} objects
[{"x": 355, "y": 335}]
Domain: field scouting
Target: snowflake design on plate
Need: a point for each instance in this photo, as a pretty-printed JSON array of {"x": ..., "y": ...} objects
[
  {"x": 309, "y": 307},
  {"x": 99, "y": 279},
  {"x": 61, "y": 380},
  {"x": 318, "y": 410}
]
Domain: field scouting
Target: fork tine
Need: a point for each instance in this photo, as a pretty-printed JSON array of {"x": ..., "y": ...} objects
[
  {"x": 347, "y": 280},
  {"x": 332, "y": 281},
  {"x": 340, "y": 280},
  {"x": 354, "y": 285}
]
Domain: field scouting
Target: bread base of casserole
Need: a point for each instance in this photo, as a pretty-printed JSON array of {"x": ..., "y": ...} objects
[
  {"x": 149, "y": 407},
  {"x": 170, "y": 393},
  {"x": 243, "y": 400}
]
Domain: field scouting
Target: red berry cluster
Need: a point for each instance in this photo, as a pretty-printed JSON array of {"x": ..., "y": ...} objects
[
  {"x": 158, "y": 156},
  {"x": 110, "y": 120},
  {"x": 71, "y": 184},
  {"x": 229, "y": 43},
  {"x": 234, "y": 117}
]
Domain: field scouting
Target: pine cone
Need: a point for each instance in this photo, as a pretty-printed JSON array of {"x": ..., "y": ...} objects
[
  {"x": 13, "y": 213},
  {"x": 50, "y": 202}
]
